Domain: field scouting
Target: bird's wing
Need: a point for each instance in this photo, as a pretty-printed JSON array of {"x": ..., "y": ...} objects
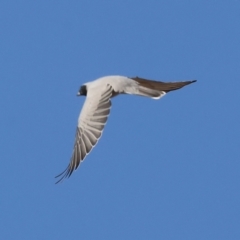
[
  {"x": 91, "y": 122},
  {"x": 157, "y": 89}
]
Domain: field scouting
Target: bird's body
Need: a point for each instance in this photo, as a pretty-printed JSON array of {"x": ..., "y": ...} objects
[
  {"x": 119, "y": 84},
  {"x": 97, "y": 106}
]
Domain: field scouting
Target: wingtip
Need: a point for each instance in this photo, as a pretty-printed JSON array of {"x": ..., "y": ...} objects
[{"x": 59, "y": 180}]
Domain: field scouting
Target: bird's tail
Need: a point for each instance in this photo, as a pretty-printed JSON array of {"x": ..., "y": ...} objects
[{"x": 148, "y": 92}]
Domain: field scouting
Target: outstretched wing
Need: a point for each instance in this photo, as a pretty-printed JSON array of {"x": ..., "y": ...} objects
[
  {"x": 91, "y": 122},
  {"x": 157, "y": 89}
]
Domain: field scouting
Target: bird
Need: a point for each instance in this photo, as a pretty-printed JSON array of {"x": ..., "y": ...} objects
[{"x": 96, "y": 109}]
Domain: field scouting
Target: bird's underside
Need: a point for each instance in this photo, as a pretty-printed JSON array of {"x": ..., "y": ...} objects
[{"x": 96, "y": 109}]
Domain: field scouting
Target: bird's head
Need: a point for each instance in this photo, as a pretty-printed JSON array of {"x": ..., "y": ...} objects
[{"x": 82, "y": 91}]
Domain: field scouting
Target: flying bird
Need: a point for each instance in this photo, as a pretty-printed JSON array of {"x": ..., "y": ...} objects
[{"x": 96, "y": 109}]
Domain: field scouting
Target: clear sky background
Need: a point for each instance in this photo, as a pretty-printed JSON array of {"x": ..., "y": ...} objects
[{"x": 167, "y": 169}]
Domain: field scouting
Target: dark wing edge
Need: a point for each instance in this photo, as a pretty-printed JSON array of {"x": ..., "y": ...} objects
[
  {"x": 161, "y": 86},
  {"x": 87, "y": 135},
  {"x": 76, "y": 152}
]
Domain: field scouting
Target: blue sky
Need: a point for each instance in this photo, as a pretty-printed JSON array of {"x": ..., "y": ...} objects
[{"x": 165, "y": 169}]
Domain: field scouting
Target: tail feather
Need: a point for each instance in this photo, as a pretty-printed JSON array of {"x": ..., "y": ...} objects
[{"x": 148, "y": 92}]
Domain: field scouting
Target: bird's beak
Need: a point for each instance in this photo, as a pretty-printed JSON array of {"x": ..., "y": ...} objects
[{"x": 78, "y": 94}]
